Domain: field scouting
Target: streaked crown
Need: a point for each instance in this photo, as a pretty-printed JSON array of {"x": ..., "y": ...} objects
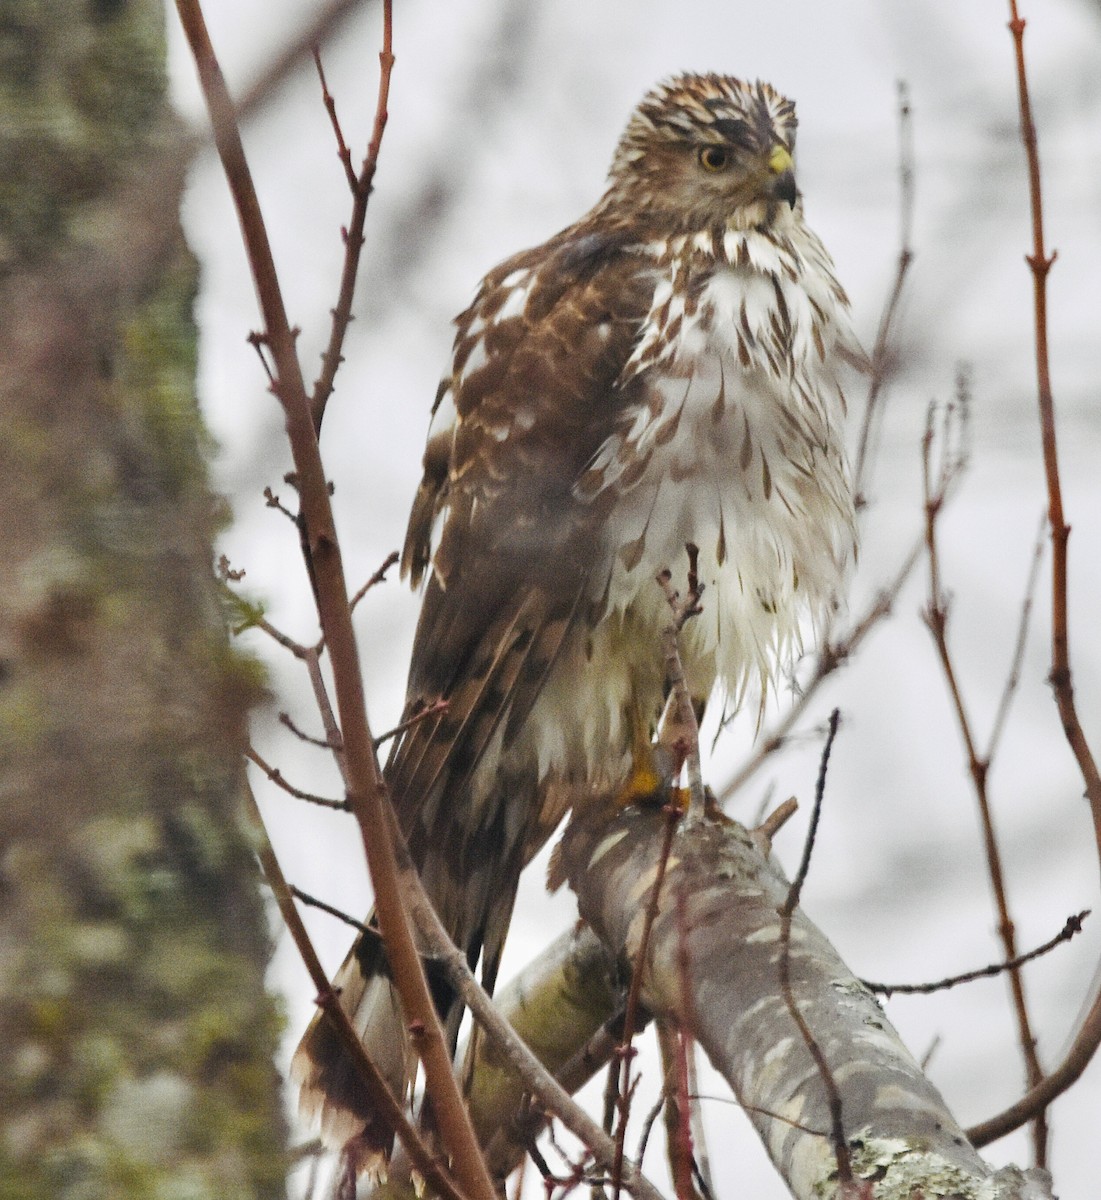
[{"x": 701, "y": 150}]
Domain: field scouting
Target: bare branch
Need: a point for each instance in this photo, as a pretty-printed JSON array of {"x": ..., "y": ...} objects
[
  {"x": 881, "y": 362},
  {"x": 1072, "y": 926},
  {"x": 366, "y": 791},
  {"x": 936, "y": 618},
  {"x": 276, "y": 776}
]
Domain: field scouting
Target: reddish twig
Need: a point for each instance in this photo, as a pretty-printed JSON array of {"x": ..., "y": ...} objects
[
  {"x": 1088, "y": 1038},
  {"x": 1072, "y": 926},
  {"x": 287, "y": 721},
  {"x": 329, "y": 1002},
  {"x": 626, "y": 1053},
  {"x": 366, "y": 791},
  {"x": 936, "y": 618},
  {"x": 276, "y": 776},
  {"x": 1040, "y": 262},
  {"x": 1053, "y": 1085},
  {"x": 271, "y": 500},
  {"x": 686, "y": 742},
  {"x": 321, "y": 24},
  {"x": 361, "y": 186},
  {"x": 378, "y": 577}
]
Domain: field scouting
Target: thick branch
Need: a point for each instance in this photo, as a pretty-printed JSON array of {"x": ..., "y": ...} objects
[{"x": 899, "y": 1133}]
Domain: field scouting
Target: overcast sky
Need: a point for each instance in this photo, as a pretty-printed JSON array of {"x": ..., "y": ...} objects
[{"x": 503, "y": 118}]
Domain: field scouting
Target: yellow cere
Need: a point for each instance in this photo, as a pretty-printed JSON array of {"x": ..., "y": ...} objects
[{"x": 779, "y": 160}]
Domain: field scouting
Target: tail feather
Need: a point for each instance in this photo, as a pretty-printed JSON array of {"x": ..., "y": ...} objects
[
  {"x": 331, "y": 1091},
  {"x": 475, "y": 902}
]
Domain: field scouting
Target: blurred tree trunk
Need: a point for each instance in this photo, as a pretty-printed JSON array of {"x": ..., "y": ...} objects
[{"x": 136, "y": 1037}]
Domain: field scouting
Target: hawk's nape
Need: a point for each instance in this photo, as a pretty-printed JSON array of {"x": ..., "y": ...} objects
[{"x": 665, "y": 371}]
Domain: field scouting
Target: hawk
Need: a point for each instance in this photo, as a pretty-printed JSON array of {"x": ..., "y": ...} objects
[{"x": 665, "y": 371}]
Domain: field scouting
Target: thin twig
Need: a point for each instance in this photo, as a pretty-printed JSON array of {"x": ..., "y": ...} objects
[
  {"x": 936, "y": 618},
  {"x": 321, "y": 25},
  {"x": 332, "y": 910},
  {"x": 1072, "y": 926},
  {"x": 796, "y": 888},
  {"x": 276, "y": 776},
  {"x": 687, "y": 743},
  {"x": 378, "y": 577},
  {"x": 288, "y": 722},
  {"x": 881, "y": 360},
  {"x": 361, "y": 186},
  {"x": 1053, "y": 1085},
  {"x": 1040, "y": 263},
  {"x": 837, "y": 1130},
  {"x": 1088, "y": 1037},
  {"x": 366, "y": 790},
  {"x": 271, "y": 500},
  {"x": 1013, "y": 679},
  {"x": 544, "y": 1086},
  {"x": 672, "y": 817},
  {"x": 429, "y": 710},
  {"x": 390, "y": 1109}
]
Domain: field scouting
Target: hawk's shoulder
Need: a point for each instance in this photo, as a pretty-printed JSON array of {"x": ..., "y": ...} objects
[{"x": 532, "y": 383}]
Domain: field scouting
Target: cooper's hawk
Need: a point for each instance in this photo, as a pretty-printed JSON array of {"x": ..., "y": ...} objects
[{"x": 663, "y": 372}]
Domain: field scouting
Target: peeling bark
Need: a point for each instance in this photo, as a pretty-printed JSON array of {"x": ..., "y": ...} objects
[{"x": 719, "y": 906}]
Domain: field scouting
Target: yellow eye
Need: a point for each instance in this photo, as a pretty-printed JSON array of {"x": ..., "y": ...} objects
[{"x": 714, "y": 158}]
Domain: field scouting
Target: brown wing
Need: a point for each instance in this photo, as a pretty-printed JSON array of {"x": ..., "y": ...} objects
[{"x": 537, "y": 359}]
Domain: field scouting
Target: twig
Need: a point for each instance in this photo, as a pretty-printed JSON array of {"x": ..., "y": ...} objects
[
  {"x": 277, "y": 635},
  {"x": 833, "y": 1096},
  {"x": 880, "y": 353},
  {"x": 329, "y": 1002},
  {"x": 366, "y": 791},
  {"x": 936, "y": 618},
  {"x": 672, "y": 817},
  {"x": 796, "y": 889},
  {"x": 271, "y": 500},
  {"x": 1040, "y": 263},
  {"x": 1088, "y": 1038},
  {"x": 675, "y": 1048},
  {"x": 1013, "y": 678},
  {"x": 378, "y": 577},
  {"x": 276, "y": 776},
  {"x": 321, "y": 906},
  {"x": 775, "y": 821},
  {"x": 320, "y": 27},
  {"x": 686, "y": 745},
  {"x": 288, "y": 722},
  {"x": 429, "y": 710},
  {"x": 1053, "y": 1085},
  {"x": 544, "y": 1086},
  {"x": 361, "y": 186},
  {"x": 1072, "y": 926}
]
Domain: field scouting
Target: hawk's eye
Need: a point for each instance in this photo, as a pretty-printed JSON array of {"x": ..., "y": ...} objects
[{"x": 714, "y": 158}]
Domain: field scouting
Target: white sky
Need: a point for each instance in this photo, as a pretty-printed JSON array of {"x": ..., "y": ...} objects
[{"x": 503, "y": 118}]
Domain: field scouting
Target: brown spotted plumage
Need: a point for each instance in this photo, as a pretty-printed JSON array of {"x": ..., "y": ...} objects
[{"x": 663, "y": 372}]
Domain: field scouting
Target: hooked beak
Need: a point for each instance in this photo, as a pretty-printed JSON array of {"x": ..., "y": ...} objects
[{"x": 782, "y": 185}]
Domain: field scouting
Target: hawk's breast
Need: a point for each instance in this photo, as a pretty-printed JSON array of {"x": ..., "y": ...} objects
[{"x": 735, "y": 445}]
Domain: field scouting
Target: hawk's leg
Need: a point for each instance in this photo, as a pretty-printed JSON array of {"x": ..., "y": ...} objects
[{"x": 654, "y": 765}]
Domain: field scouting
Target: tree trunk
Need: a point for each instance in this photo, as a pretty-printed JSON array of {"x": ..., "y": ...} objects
[{"x": 136, "y": 1037}]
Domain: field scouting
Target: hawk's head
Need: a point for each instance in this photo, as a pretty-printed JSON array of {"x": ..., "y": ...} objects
[{"x": 706, "y": 150}]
